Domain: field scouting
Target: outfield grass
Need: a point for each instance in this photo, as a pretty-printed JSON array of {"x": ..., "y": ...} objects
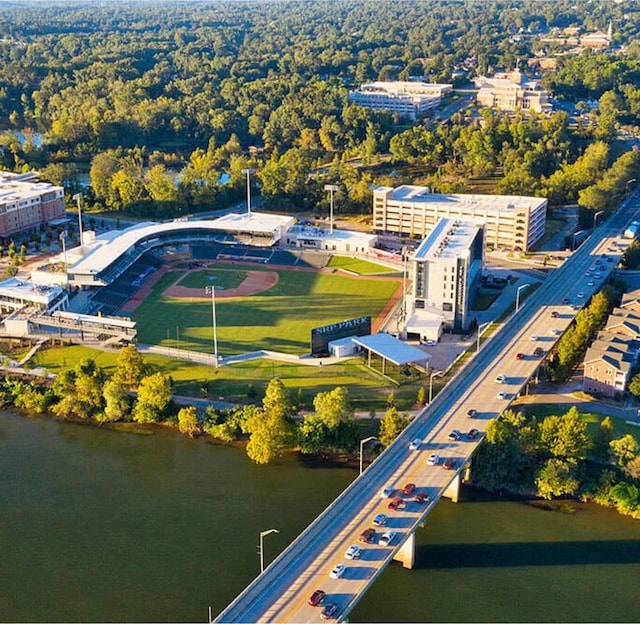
[
  {"x": 278, "y": 319},
  {"x": 361, "y": 267},
  {"x": 231, "y": 383},
  {"x": 220, "y": 278}
]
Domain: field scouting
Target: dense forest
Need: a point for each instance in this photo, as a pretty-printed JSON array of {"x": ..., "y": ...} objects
[{"x": 165, "y": 103}]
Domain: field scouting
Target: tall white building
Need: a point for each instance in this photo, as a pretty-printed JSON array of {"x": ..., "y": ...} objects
[
  {"x": 511, "y": 222},
  {"x": 409, "y": 99},
  {"x": 446, "y": 271}
]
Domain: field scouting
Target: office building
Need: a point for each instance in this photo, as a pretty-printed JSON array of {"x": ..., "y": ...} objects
[
  {"x": 510, "y": 222},
  {"x": 512, "y": 91}
]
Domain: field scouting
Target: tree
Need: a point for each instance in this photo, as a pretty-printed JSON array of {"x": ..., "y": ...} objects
[
  {"x": 565, "y": 437},
  {"x": 130, "y": 366},
  {"x": 333, "y": 407},
  {"x": 117, "y": 402},
  {"x": 276, "y": 399},
  {"x": 422, "y": 395},
  {"x": 188, "y": 421},
  {"x": 312, "y": 434},
  {"x": 603, "y": 438},
  {"x": 634, "y": 385},
  {"x": 624, "y": 449},
  {"x": 391, "y": 425},
  {"x": 154, "y": 394},
  {"x": 556, "y": 478},
  {"x": 271, "y": 434}
]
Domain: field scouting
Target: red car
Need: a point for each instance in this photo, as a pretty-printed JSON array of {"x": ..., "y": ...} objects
[
  {"x": 421, "y": 497},
  {"x": 316, "y": 598},
  {"x": 395, "y": 504},
  {"x": 519, "y": 356},
  {"x": 449, "y": 463},
  {"x": 368, "y": 536},
  {"x": 407, "y": 490}
]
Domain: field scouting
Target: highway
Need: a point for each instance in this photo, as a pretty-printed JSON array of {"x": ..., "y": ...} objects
[{"x": 281, "y": 593}]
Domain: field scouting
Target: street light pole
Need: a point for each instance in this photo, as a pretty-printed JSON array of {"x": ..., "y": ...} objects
[
  {"x": 63, "y": 236},
  {"x": 362, "y": 443},
  {"x": 433, "y": 374},
  {"x": 331, "y": 188},
  {"x": 213, "y": 316},
  {"x": 518, "y": 296},
  {"x": 480, "y": 329},
  {"x": 595, "y": 217},
  {"x": 248, "y": 172},
  {"x": 78, "y": 198},
  {"x": 261, "y": 547}
]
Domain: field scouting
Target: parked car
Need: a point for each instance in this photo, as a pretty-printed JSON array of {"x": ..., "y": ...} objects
[
  {"x": 317, "y": 598},
  {"x": 367, "y": 536},
  {"x": 408, "y": 489},
  {"x": 433, "y": 459},
  {"x": 473, "y": 434},
  {"x": 449, "y": 463},
  {"x": 329, "y": 612},
  {"x": 387, "y": 538},
  {"x": 454, "y": 435},
  {"x": 395, "y": 503},
  {"x": 338, "y": 571},
  {"x": 353, "y": 552},
  {"x": 415, "y": 444},
  {"x": 380, "y": 520}
]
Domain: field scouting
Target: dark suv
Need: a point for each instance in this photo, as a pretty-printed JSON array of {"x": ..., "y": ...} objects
[{"x": 368, "y": 536}]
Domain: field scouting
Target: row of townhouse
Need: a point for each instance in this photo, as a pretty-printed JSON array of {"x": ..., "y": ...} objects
[{"x": 611, "y": 358}]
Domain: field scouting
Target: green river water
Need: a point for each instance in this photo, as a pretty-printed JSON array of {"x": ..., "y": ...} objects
[{"x": 103, "y": 526}]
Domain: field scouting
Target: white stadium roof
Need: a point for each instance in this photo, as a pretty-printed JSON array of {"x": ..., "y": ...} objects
[{"x": 391, "y": 349}]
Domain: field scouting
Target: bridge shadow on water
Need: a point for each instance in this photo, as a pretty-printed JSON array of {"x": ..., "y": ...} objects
[{"x": 528, "y": 554}]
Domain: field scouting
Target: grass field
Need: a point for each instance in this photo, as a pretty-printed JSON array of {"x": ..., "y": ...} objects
[
  {"x": 279, "y": 319},
  {"x": 361, "y": 267},
  {"x": 220, "y": 278},
  {"x": 231, "y": 383}
]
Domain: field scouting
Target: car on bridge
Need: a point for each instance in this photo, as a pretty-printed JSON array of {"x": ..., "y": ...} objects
[
  {"x": 433, "y": 460},
  {"x": 415, "y": 444},
  {"x": 387, "y": 491},
  {"x": 554, "y": 314},
  {"x": 454, "y": 435},
  {"x": 519, "y": 356},
  {"x": 421, "y": 497},
  {"x": 501, "y": 378},
  {"x": 317, "y": 598},
  {"x": 338, "y": 571},
  {"x": 502, "y": 395},
  {"x": 395, "y": 503},
  {"x": 353, "y": 552},
  {"x": 408, "y": 489},
  {"x": 472, "y": 413},
  {"x": 380, "y": 520},
  {"x": 449, "y": 463},
  {"x": 387, "y": 538},
  {"x": 538, "y": 352},
  {"x": 473, "y": 434},
  {"x": 330, "y": 611}
]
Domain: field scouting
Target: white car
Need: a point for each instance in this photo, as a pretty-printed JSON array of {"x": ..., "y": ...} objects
[
  {"x": 590, "y": 283},
  {"x": 502, "y": 395},
  {"x": 338, "y": 571},
  {"x": 353, "y": 552},
  {"x": 556, "y": 332},
  {"x": 580, "y": 295},
  {"x": 415, "y": 444},
  {"x": 386, "y": 538},
  {"x": 433, "y": 459},
  {"x": 501, "y": 378},
  {"x": 387, "y": 491},
  {"x": 534, "y": 336},
  {"x": 380, "y": 520}
]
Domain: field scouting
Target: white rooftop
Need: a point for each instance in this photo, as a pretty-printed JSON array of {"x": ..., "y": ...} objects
[
  {"x": 21, "y": 186},
  {"x": 449, "y": 239},
  {"x": 391, "y": 349},
  {"x": 489, "y": 203},
  {"x": 16, "y": 288}
]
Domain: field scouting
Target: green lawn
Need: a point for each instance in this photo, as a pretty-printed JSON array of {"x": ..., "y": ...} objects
[
  {"x": 220, "y": 278},
  {"x": 366, "y": 389},
  {"x": 279, "y": 319},
  {"x": 361, "y": 267}
]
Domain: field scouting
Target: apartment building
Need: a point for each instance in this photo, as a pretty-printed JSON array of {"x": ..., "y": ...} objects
[
  {"x": 608, "y": 364},
  {"x": 512, "y": 91},
  {"x": 25, "y": 203},
  {"x": 407, "y": 98},
  {"x": 446, "y": 272},
  {"x": 510, "y": 222}
]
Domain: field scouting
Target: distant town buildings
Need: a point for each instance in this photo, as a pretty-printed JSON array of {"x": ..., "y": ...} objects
[
  {"x": 512, "y": 91},
  {"x": 26, "y": 204},
  {"x": 446, "y": 272},
  {"x": 407, "y": 98},
  {"x": 510, "y": 222},
  {"x": 572, "y": 37}
]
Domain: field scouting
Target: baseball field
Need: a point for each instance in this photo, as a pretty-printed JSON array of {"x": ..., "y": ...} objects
[{"x": 257, "y": 307}]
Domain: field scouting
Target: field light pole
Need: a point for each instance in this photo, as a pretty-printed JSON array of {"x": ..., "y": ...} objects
[
  {"x": 261, "y": 547},
  {"x": 433, "y": 374},
  {"x": 78, "y": 198},
  {"x": 248, "y": 172},
  {"x": 518, "y": 296},
  {"x": 481, "y": 328},
  {"x": 595, "y": 217},
  {"x": 573, "y": 242},
  {"x": 63, "y": 237},
  {"x": 212, "y": 290},
  {"x": 331, "y": 188},
  {"x": 362, "y": 443}
]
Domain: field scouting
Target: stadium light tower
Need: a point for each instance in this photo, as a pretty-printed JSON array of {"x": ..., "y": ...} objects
[
  {"x": 331, "y": 188},
  {"x": 78, "y": 198},
  {"x": 248, "y": 173},
  {"x": 212, "y": 290}
]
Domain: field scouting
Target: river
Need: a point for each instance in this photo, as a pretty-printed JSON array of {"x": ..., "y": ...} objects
[{"x": 103, "y": 526}]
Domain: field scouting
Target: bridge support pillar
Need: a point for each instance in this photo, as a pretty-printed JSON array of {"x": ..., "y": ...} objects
[
  {"x": 407, "y": 553},
  {"x": 453, "y": 490}
]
